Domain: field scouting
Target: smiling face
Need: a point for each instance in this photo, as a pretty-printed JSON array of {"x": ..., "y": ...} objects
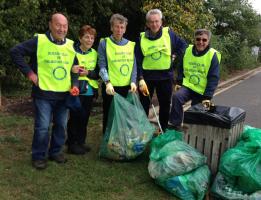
[
  {"x": 87, "y": 41},
  {"x": 154, "y": 23},
  {"x": 58, "y": 26},
  {"x": 118, "y": 29},
  {"x": 201, "y": 42}
]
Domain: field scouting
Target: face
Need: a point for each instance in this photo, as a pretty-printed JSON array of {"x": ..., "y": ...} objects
[
  {"x": 118, "y": 29},
  {"x": 201, "y": 42},
  {"x": 87, "y": 41},
  {"x": 58, "y": 26},
  {"x": 154, "y": 23}
]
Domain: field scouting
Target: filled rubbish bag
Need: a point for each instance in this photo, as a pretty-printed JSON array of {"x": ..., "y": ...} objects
[
  {"x": 243, "y": 162},
  {"x": 128, "y": 129},
  {"x": 172, "y": 158},
  {"x": 225, "y": 188},
  {"x": 190, "y": 186}
]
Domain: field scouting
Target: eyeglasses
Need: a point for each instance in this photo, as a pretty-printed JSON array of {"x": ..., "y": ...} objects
[{"x": 201, "y": 39}]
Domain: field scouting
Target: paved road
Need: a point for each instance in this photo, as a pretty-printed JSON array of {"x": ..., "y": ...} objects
[{"x": 246, "y": 95}]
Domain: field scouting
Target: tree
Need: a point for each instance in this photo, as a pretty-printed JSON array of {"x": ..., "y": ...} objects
[
  {"x": 184, "y": 16},
  {"x": 236, "y": 17}
]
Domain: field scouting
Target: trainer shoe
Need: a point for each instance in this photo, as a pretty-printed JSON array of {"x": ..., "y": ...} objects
[
  {"x": 86, "y": 147},
  {"x": 76, "y": 149},
  {"x": 60, "y": 159},
  {"x": 39, "y": 164}
]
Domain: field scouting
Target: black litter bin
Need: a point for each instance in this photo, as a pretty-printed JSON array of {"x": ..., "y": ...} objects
[{"x": 213, "y": 131}]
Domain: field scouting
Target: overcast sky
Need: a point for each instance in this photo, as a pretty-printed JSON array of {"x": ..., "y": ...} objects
[{"x": 256, "y": 5}]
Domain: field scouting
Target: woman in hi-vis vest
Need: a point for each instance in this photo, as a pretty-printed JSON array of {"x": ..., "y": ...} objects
[
  {"x": 87, "y": 69},
  {"x": 197, "y": 78}
]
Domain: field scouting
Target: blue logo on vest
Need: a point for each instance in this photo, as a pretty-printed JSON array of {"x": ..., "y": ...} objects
[
  {"x": 124, "y": 69},
  {"x": 156, "y": 55},
  {"x": 59, "y": 73}
]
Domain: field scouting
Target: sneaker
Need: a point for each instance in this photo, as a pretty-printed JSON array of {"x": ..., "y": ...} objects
[
  {"x": 86, "y": 147},
  {"x": 39, "y": 164},
  {"x": 60, "y": 159},
  {"x": 76, "y": 149}
]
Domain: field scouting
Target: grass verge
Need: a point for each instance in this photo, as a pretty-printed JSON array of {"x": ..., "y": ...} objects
[{"x": 85, "y": 177}]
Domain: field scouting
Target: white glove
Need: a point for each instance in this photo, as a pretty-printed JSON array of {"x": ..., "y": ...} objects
[
  {"x": 143, "y": 87},
  {"x": 133, "y": 87},
  {"x": 206, "y": 103},
  {"x": 109, "y": 89}
]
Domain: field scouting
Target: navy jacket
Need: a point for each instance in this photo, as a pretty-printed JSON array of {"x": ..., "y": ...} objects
[
  {"x": 29, "y": 49},
  {"x": 212, "y": 77}
]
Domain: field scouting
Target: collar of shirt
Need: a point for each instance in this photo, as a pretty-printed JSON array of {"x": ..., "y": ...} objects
[
  {"x": 122, "y": 42},
  {"x": 150, "y": 36},
  {"x": 78, "y": 49},
  {"x": 56, "y": 41},
  {"x": 199, "y": 53}
]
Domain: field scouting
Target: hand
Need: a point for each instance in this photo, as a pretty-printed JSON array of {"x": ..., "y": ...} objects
[
  {"x": 143, "y": 87},
  {"x": 109, "y": 89},
  {"x": 207, "y": 104},
  {"x": 75, "y": 69},
  {"x": 34, "y": 78},
  {"x": 133, "y": 87},
  {"x": 74, "y": 91},
  {"x": 177, "y": 87},
  {"x": 83, "y": 71}
]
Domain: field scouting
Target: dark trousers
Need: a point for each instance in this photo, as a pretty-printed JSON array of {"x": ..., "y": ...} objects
[
  {"x": 123, "y": 91},
  {"x": 78, "y": 121},
  {"x": 178, "y": 100},
  {"x": 164, "y": 92}
]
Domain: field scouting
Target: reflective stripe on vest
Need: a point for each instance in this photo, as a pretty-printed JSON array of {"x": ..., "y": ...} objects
[
  {"x": 157, "y": 53},
  {"x": 88, "y": 61},
  {"x": 120, "y": 62},
  {"x": 54, "y": 64},
  {"x": 196, "y": 69}
]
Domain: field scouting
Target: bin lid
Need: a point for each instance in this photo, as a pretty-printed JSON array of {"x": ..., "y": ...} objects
[{"x": 219, "y": 116}]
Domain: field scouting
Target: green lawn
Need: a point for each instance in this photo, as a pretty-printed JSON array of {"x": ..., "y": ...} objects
[{"x": 82, "y": 177}]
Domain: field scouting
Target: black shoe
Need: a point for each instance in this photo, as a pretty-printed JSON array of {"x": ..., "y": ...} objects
[
  {"x": 39, "y": 164},
  {"x": 76, "y": 149},
  {"x": 86, "y": 147},
  {"x": 60, "y": 159}
]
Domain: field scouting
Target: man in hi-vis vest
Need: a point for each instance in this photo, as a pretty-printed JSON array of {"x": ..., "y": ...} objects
[
  {"x": 52, "y": 57},
  {"x": 117, "y": 64},
  {"x": 197, "y": 78},
  {"x": 155, "y": 52}
]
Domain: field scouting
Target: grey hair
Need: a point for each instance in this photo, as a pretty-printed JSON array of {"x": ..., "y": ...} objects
[
  {"x": 202, "y": 31},
  {"x": 154, "y": 12},
  {"x": 118, "y": 17}
]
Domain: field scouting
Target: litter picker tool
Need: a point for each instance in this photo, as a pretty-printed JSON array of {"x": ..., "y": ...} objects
[{"x": 154, "y": 110}]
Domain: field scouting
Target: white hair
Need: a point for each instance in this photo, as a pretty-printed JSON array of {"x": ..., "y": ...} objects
[{"x": 154, "y": 12}]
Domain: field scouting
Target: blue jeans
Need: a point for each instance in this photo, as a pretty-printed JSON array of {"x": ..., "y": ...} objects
[
  {"x": 47, "y": 111},
  {"x": 178, "y": 100}
]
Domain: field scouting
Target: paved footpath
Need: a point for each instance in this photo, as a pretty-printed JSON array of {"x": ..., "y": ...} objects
[{"x": 242, "y": 91}]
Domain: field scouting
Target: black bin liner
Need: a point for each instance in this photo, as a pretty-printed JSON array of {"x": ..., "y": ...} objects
[{"x": 218, "y": 116}]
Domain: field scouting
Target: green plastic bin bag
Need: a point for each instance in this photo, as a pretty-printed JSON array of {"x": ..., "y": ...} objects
[
  {"x": 173, "y": 158},
  {"x": 128, "y": 129},
  {"x": 225, "y": 188},
  {"x": 243, "y": 162},
  {"x": 190, "y": 186}
]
